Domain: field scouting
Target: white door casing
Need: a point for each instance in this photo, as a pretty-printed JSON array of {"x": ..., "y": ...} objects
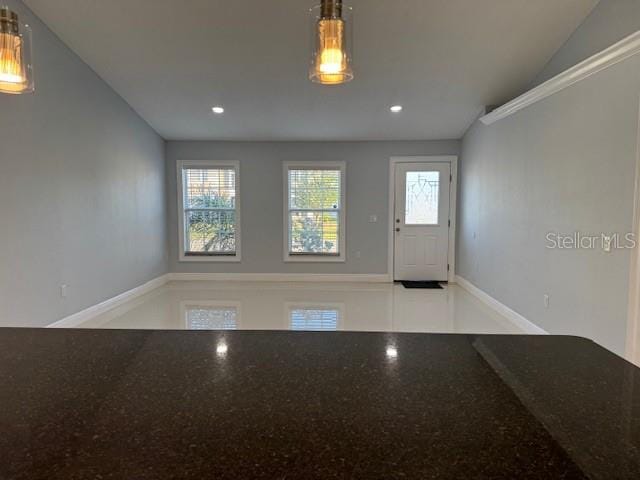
[{"x": 422, "y": 221}]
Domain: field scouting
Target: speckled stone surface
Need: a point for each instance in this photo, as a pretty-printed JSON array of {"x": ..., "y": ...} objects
[{"x": 110, "y": 404}]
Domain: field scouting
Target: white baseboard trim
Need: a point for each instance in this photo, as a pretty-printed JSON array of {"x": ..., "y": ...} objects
[
  {"x": 513, "y": 316},
  {"x": 281, "y": 277},
  {"x": 91, "y": 312}
]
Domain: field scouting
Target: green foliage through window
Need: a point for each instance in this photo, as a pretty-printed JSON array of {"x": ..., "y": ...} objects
[
  {"x": 210, "y": 216},
  {"x": 314, "y": 211}
]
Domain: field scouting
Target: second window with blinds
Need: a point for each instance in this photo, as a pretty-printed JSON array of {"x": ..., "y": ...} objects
[{"x": 314, "y": 212}]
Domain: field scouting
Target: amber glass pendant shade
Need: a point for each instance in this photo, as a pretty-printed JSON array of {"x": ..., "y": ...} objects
[
  {"x": 16, "y": 72},
  {"x": 332, "y": 33}
]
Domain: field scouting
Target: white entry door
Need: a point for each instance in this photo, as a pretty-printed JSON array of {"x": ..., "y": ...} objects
[{"x": 422, "y": 221}]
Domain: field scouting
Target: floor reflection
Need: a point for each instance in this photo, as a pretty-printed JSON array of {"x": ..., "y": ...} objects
[
  {"x": 210, "y": 316},
  {"x": 305, "y": 306},
  {"x": 314, "y": 318}
]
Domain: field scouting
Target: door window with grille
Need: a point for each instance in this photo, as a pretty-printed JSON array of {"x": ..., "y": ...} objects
[{"x": 422, "y": 198}]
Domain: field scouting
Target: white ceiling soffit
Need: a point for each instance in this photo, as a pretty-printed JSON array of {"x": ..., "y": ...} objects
[{"x": 442, "y": 60}]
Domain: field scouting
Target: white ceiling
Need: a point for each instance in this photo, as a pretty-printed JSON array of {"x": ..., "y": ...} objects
[{"x": 442, "y": 59}]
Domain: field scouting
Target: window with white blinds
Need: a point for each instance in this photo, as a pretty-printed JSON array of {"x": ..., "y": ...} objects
[
  {"x": 315, "y": 211},
  {"x": 209, "y": 211}
]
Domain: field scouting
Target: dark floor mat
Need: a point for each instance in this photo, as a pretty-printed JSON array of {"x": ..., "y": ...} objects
[{"x": 432, "y": 285}]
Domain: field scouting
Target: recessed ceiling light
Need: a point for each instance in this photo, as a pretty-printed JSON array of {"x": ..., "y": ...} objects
[
  {"x": 218, "y": 110},
  {"x": 396, "y": 108}
]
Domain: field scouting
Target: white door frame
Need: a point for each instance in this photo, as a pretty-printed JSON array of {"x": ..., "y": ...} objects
[{"x": 453, "y": 195}]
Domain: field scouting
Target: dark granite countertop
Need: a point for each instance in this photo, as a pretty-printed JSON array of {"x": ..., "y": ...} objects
[{"x": 113, "y": 404}]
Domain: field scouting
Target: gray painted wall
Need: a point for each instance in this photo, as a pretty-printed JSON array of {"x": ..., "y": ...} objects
[
  {"x": 609, "y": 22},
  {"x": 262, "y": 199},
  {"x": 564, "y": 164},
  {"x": 82, "y": 191}
]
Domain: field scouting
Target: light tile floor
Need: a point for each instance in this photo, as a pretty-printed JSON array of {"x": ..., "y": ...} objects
[{"x": 306, "y": 306}]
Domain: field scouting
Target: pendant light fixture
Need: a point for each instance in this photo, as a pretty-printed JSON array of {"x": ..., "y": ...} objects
[
  {"x": 332, "y": 30},
  {"x": 16, "y": 73}
]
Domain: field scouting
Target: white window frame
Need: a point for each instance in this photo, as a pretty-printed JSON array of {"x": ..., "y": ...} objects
[
  {"x": 182, "y": 164},
  {"x": 342, "y": 223}
]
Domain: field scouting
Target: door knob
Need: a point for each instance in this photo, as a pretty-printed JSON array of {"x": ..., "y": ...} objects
[{"x": 397, "y": 229}]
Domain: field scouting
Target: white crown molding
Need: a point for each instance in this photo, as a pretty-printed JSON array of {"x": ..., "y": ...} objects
[
  {"x": 526, "y": 325},
  {"x": 89, "y": 313},
  {"x": 612, "y": 55},
  {"x": 281, "y": 277}
]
